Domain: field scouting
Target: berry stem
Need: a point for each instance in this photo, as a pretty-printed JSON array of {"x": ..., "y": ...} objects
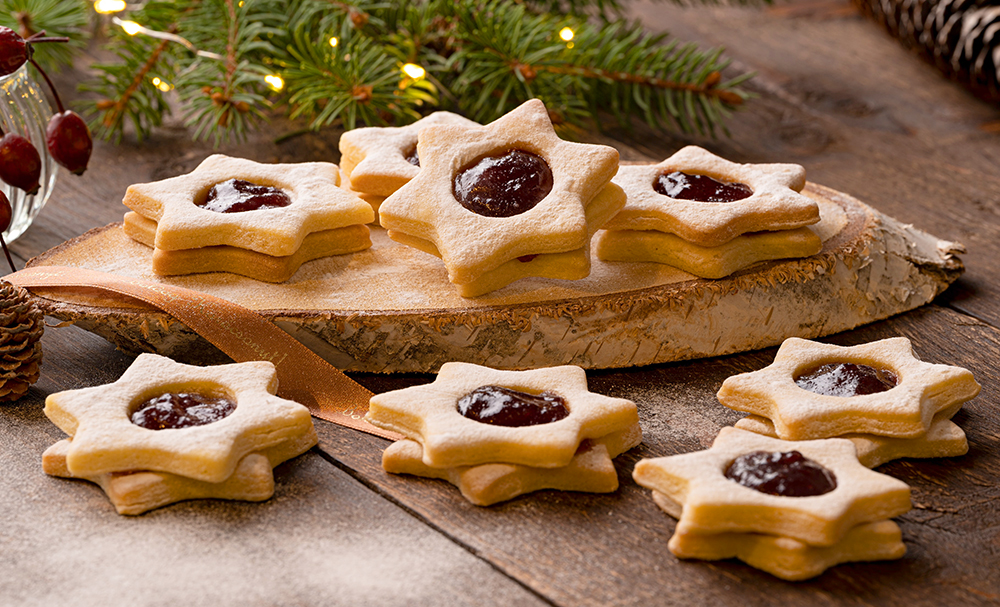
[
  {"x": 41, "y": 37},
  {"x": 49, "y": 82},
  {"x": 7, "y": 253}
]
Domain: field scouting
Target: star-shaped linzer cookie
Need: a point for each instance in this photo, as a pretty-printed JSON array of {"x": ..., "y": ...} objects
[
  {"x": 315, "y": 203},
  {"x": 429, "y": 414},
  {"x": 713, "y": 503},
  {"x": 105, "y": 439},
  {"x": 504, "y": 199},
  {"x": 591, "y": 470},
  {"x": 380, "y": 160},
  {"x": 774, "y": 202},
  {"x": 799, "y": 391}
]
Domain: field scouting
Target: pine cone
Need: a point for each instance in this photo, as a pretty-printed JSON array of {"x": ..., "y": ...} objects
[
  {"x": 21, "y": 327},
  {"x": 961, "y": 37}
]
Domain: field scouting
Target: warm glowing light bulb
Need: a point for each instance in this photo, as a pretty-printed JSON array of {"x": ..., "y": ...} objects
[
  {"x": 131, "y": 27},
  {"x": 334, "y": 41},
  {"x": 274, "y": 81},
  {"x": 566, "y": 34},
  {"x": 107, "y": 7},
  {"x": 414, "y": 71}
]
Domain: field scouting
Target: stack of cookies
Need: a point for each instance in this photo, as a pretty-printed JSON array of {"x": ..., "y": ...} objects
[
  {"x": 708, "y": 216},
  {"x": 377, "y": 161},
  {"x": 878, "y": 395},
  {"x": 498, "y": 434},
  {"x": 257, "y": 220},
  {"x": 166, "y": 432},
  {"x": 505, "y": 201},
  {"x": 792, "y": 509}
]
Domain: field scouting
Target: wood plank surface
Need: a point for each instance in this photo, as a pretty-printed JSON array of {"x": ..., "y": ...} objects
[
  {"x": 323, "y": 539},
  {"x": 833, "y": 93},
  {"x": 582, "y": 549}
]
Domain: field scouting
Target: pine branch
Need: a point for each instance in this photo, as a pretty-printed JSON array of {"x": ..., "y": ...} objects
[
  {"x": 126, "y": 88},
  {"x": 342, "y": 60}
]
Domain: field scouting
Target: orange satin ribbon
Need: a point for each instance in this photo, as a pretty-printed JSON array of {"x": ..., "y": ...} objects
[{"x": 241, "y": 333}]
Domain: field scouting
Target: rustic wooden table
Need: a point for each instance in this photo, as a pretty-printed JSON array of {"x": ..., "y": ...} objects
[{"x": 834, "y": 94}]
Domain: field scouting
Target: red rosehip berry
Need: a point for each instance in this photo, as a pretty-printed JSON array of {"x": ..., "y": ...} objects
[
  {"x": 5, "y": 212},
  {"x": 69, "y": 142},
  {"x": 13, "y": 51},
  {"x": 20, "y": 164}
]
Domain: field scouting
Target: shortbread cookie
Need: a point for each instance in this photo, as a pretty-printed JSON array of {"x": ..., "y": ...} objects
[
  {"x": 380, "y": 160},
  {"x": 674, "y": 196},
  {"x": 819, "y": 488},
  {"x": 590, "y": 470},
  {"x": 295, "y": 199},
  {"x": 487, "y": 195},
  {"x": 207, "y": 419},
  {"x": 944, "y": 439},
  {"x": 705, "y": 262},
  {"x": 536, "y": 418},
  {"x": 784, "y": 557},
  {"x": 569, "y": 265},
  {"x": 223, "y": 258},
  {"x": 816, "y": 390},
  {"x": 136, "y": 492}
]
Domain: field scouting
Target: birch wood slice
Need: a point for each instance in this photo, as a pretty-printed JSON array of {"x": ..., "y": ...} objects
[{"x": 392, "y": 309}]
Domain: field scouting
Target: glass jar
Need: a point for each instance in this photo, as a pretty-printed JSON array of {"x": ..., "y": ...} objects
[{"x": 24, "y": 110}]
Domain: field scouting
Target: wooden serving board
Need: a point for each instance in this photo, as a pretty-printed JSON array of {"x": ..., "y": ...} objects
[{"x": 392, "y": 309}]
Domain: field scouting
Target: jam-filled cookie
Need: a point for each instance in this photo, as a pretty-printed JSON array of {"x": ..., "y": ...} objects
[
  {"x": 817, "y": 390},
  {"x": 705, "y": 262},
  {"x": 498, "y": 434},
  {"x": 136, "y": 491},
  {"x": 234, "y": 260},
  {"x": 472, "y": 415},
  {"x": 189, "y": 421},
  {"x": 380, "y": 160},
  {"x": 591, "y": 470},
  {"x": 943, "y": 439},
  {"x": 708, "y": 200},
  {"x": 268, "y": 209},
  {"x": 785, "y": 557},
  {"x": 495, "y": 201},
  {"x": 811, "y": 491}
]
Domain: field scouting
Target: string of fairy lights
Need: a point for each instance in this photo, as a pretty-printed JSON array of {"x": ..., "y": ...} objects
[{"x": 411, "y": 71}]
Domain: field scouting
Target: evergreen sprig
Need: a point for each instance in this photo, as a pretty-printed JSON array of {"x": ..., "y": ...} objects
[{"x": 341, "y": 60}]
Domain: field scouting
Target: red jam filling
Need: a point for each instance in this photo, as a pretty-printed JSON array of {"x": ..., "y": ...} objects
[
  {"x": 501, "y": 406},
  {"x": 788, "y": 473},
  {"x": 181, "y": 410},
  {"x": 846, "y": 379},
  {"x": 238, "y": 196},
  {"x": 701, "y": 188},
  {"x": 504, "y": 185},
  {"x": 412, "y": 157}
]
